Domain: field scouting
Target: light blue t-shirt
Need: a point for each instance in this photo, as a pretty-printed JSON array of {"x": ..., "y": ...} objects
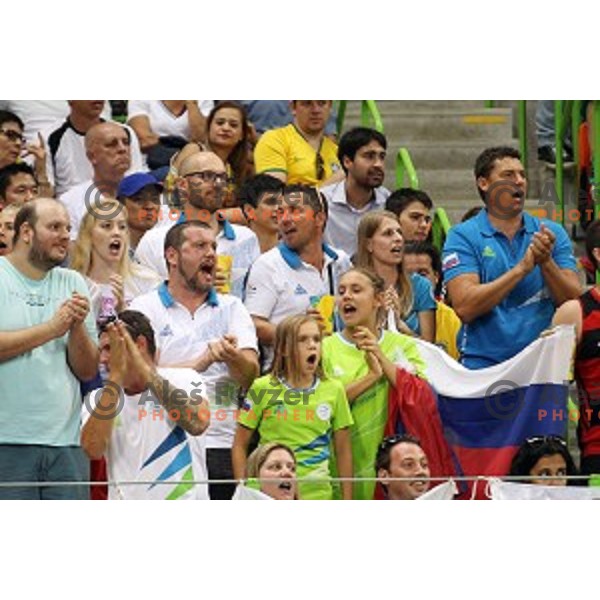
[
  {"x": 40, "y": 399},
  {"x": 477, "y": 247},
  {"x": 423, "y": 299}
]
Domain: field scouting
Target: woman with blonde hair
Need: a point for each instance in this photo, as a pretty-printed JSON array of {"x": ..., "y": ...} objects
[
  {"x": 101, "y": 255},
  {"x": 272, "y": 468},
  {"x": 409, "y": 301}
]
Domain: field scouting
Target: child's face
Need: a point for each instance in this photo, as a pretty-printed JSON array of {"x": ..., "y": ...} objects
[{"x": 309, "y": 347}]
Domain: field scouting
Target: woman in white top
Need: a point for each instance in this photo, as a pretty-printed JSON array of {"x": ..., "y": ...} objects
[{"x": 101, "y": 255}]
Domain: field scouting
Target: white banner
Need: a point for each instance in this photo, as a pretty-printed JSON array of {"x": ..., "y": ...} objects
[
  {"x": 504, "y": 490},
  {"x": 444, "y": 491}
]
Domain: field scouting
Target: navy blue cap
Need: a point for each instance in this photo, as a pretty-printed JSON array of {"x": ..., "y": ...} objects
[{"x": 136, "y": 182}]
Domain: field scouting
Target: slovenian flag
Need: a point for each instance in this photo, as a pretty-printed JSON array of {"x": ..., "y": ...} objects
[{"x": 472, "y": 422}]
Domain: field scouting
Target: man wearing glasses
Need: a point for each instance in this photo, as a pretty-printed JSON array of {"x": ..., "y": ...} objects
[
  {"x": 301, "y": 152},
  {"x": 200, "y": 188},
  {"x": 13, "y": 148}
]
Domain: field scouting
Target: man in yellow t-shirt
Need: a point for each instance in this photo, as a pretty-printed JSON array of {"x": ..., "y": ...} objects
[{"x": 301, "y": 152}]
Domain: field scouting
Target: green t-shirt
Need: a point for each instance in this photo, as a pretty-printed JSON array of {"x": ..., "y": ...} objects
[
  {"x": 40, "y": 395},
  {"x": 342, "y": 360},
  {"x": 302, "y": 419}
]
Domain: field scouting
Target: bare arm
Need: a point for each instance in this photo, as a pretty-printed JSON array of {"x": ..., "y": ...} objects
[
  {"x": 343, "y": 454},
  {"x": 265, "y": 331},
  {"x": 239, "y": 451},
  {"x": 569, "y": 313},
  {"x": 563, "y": 284},
  {"x": 472, "y": 299},
  {"x": 15, "y": 343},
  {"x": 141, "y": 125},
  {"x": 427, "y": 325},
  {"x": 196, "y": 120},
  {"x": 82, "y": 353}
]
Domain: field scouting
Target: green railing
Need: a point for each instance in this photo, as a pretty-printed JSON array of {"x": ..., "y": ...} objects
[
  {"x": 406, "y": 169},
  {"x": 369, "y": 115}
]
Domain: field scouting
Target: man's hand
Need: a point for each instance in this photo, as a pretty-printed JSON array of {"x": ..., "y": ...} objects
[
  {"x": 80, "y": 307},
  {"x": 62, "y": 320},
  {"x": 135, "y": 360},
  {"x": 542, "y": 245},
  {"x": 225, "y": 349},
  {"x": 118, "y": 361}
]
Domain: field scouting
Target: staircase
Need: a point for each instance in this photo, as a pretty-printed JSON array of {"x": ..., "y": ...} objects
[{"x": 445, "y": 137}]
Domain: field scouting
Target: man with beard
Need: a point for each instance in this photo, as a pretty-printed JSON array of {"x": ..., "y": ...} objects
[
  {"x": 362, "y": 154},
  {"x": 209, "y": 332},
  {"x": 505, "y": 270},
  {"x": 47, "y": 344},
  {"x": 108, "y": 148},
  {"x": 200, "y": 186}
]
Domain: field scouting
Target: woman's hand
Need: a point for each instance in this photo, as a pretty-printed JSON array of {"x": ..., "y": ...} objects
[{"x": 117, "y": 286}]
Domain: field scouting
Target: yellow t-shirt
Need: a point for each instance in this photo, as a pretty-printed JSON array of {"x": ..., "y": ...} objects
[
  {"x": 447, "y": 325},
  {"x": 285, "y": 150}
]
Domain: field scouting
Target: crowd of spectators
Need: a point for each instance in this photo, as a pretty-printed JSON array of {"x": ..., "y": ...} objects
[{"x": 223, "y": 291}]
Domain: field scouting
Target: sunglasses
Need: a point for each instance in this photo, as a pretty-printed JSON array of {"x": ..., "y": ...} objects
[
  {"x": 544, "y": 439},
  {"x": 13, "y": 136},
  {"x": 392, "y": 440}
]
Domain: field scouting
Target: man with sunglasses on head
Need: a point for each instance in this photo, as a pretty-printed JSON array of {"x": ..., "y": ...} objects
[
  {"x": 200, "y": 188},
  {"x": 299, "y": 272},
  {"x": 401, "y": 456},
  {"x": 301, "y": 152}
]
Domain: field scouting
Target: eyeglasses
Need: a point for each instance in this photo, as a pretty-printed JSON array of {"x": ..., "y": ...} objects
[
  {"x": 13, "y": 136},
  {"x": 209, "y": 176},
  {"x": 320, "y": 164},
  {"x": 544, "y": 439}
]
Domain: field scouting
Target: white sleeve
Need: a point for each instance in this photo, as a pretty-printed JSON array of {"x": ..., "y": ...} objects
[
  {"x": 206, "y": 106},
  {"x": 261, "y": 290},
  {"x": 136, "y": 108},
  {"x": 242, "y": 326},
  {"x": 138, "y": 163},
  {"x": 149, "y": 252}
]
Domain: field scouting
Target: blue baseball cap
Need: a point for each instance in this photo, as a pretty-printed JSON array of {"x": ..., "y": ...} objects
[{"x": 136, "y": 182}]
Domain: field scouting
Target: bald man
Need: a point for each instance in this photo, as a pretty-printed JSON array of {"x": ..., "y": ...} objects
[
  {"x": 66, "y": 162},
  {"x": 200, "y": 186},
  {"x": 107, "y": 147},
  {"x": 47, "y": 346}
]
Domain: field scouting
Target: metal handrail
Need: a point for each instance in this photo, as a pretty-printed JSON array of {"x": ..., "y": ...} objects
[
  {"x": 405, "y": 168},
  {"x": 369, "y": 115},
  {"x": 440, "y": 227}
]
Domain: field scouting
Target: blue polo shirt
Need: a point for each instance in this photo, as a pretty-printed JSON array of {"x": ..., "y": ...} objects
[{"x": 477, "y": 247}]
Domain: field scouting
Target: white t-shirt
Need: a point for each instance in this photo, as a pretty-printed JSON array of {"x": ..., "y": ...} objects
[
  {"x": 146, "y": 445},
  {"x": 77, "y": 200},
  {"x": 280, "y": 284},
  {"x": 162, "y": 121},
  {"x": 237, "y": 241},
  {"x": 66, "y": 162},
  {"x": 38, "y": 115},
  {"x": 182, "y": 337}
]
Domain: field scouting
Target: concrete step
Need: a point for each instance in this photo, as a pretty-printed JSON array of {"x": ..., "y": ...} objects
[
  {"x": 445, "y": 155},
  {"x": 390, "y": 106}
]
